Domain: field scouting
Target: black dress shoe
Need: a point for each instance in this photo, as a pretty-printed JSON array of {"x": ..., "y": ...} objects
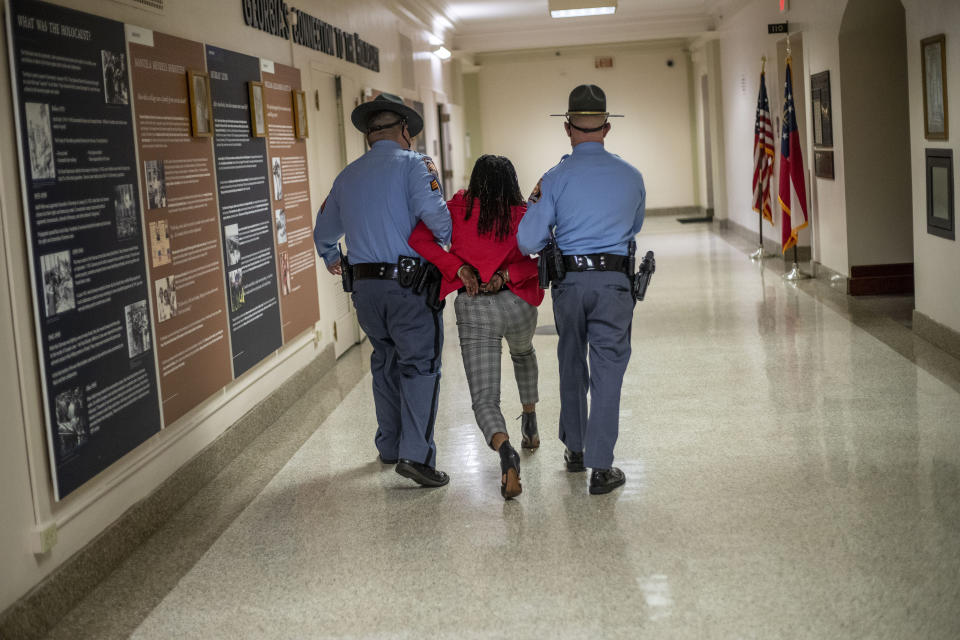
[
  {"x": 531, "y": 437},
  {"x": 606, "y": 480},
  {"x": 386, "y": 460},
  {"x": 422, "y": 474},
  {"x": 574, "y": 461}
]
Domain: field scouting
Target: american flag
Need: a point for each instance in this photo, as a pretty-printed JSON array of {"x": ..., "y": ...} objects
[
  {"x": 792, "y": 185},
  {"x": 762, "y": 154}
]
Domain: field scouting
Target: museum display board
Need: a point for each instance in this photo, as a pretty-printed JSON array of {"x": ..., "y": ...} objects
[
  {"x": 182, "y": 224},
  {"x": 245, "y": 210},
  {"x": 84, "y": 236},
  {"x": 290, "y": 193},
  {"x": 164, "y": 250}
]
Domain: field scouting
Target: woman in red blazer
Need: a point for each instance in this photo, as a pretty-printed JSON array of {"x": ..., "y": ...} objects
[{"x": 499, "y": 295}]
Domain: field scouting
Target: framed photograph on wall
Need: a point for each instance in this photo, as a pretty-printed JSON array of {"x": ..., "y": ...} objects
[
  {"x": 258, "y": 110},
  {"x": 822, "y": 111},
  {"x": 201, "y": 106},
  {"x": 941, "y": 220},
  {"x": 933, "y": 56},
  {"x": 300, "y": 114}
]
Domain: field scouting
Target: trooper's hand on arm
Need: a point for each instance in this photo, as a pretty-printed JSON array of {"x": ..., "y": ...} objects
[
  {"x": 335, "y": 268},
  {"x": 468, "y": 276}
]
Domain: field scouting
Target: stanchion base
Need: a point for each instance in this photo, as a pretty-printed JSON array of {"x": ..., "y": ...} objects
[
  {"x": 760, "y": 254},
  {"x": 795, "y": 274}
]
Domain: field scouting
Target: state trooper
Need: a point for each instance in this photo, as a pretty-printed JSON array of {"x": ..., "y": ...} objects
[
  {"x": 590, "y": 206},
  {"x": 375, "y": 203}
]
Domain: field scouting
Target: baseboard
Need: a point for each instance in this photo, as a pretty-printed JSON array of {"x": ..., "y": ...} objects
[
  {"x": 676, "y": 211},
  {"x": 40, "y": 609},
  {"x": 881, "y": 279},
  {"x": 833, "y": 278},
  {"x": 936, "y": 334}
]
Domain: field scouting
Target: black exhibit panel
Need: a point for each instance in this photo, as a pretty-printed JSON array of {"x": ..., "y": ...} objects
[
  {"x": 84, "y": 234},
  {"x": 245, "y": 211}
]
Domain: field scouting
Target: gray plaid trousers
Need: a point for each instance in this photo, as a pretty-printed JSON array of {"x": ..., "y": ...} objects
[{"x": 483, "y": 321}]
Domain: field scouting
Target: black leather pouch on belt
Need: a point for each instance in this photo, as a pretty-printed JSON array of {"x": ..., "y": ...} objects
[
  {"x": 346, "y": 273},
  {"x": 407, "y": 268}
]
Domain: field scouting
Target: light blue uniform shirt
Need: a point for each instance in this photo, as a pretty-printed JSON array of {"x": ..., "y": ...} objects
[
  {"x": 593, "y": 199},
  {"x": 377, "y": 201}
]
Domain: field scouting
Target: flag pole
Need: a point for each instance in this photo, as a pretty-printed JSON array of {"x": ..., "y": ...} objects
[{"x": 760, "y": 254}]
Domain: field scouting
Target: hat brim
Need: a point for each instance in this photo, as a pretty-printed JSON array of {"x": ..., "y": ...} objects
[
  {"x": 360, "y": 114},
  {"x": 586, "y": 113}
]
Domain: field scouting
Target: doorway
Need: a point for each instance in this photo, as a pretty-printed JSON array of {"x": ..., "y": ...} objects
[
  {"x": 446, "y": 148},
  {"x": 707, "y": 148},
  {"x": 876, "y": 142}
]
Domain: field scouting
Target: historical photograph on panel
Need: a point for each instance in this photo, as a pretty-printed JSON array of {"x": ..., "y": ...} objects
[
  {"x": 281, "y": 217},
  {"x": 166, "y": 298},
  {"x": 72, "y": 431},
  {"x": 57, "y": 283},
  {"x": 160, "y": 243},
  {"x": 156, "y": 184},
  {"x": 115, "y": 88},
  {"x": 258, "y": 113},
  {"x": 125, "y": 211},
  {"x": 237, "y": 294},
  {"x": 277, "y": 180},
  {"x": 40, "y": 140},
  {"x": 138, "y": 327},
  {"x": 231, "y": 239},
  {"x": 201, "y": 111},
  {"x": 284, "y": 273}
]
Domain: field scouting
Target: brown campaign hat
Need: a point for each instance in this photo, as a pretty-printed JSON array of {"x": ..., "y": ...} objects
[
  {"x": 587, "y": 100},
  {"x": 386, "y": 102}
]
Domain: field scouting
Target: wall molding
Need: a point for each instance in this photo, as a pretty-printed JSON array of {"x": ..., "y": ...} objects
[
  {"x": 881, "y": 279},
  {"x": 937, "y": 334},
  {"x": 39, "y": 610}
]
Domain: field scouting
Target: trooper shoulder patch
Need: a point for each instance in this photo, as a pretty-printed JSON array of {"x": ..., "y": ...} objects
[
  {"x": 536, "y": 193},
  {"x": 432, "y": 168}
]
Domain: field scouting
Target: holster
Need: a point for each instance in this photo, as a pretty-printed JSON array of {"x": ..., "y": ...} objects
[
  {"x": 550, "y": 266},
  {"x": 346, "y": 273},
  {"x": 427, "y": 280},
  {"x": 407, "y": 269},
  {"x": 642, "y": 278}
]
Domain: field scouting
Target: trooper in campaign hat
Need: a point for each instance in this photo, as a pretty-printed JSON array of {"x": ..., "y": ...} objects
[
  {"x": 590, "y": 205},
  {"x": 375, "y": 203}
]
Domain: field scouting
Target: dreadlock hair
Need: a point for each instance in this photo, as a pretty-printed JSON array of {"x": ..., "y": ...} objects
[{"x": 494, "y": 183}]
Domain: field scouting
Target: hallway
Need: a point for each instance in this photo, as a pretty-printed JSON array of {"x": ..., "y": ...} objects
[{"x": 788, "y": 475}]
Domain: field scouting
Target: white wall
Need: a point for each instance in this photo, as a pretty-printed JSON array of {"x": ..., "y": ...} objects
[
  {"x": 26, "y": 498},
  {"x": 937, "y": 261},
  {"x": 519, "y": 91}
]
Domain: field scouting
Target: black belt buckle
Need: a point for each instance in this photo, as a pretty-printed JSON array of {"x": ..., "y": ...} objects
[{"x": 407, "y": 271}]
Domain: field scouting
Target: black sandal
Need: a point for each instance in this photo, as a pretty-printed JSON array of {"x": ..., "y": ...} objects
[
  {"x": 531, "y": 437},
  {"x": 510, "y": 486}
]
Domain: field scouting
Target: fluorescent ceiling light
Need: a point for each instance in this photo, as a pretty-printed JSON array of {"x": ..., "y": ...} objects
[
  {"x": 589, "y": 11},
  {"x": 443, "y": 53},
  {"x": 578, "y": 8},
  {"x": 434, "y": 40}
]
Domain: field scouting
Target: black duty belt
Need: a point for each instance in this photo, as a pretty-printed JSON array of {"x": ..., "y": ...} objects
[
  {"x": 375, "y": 271},
  {"x": 597, "y": 262}
]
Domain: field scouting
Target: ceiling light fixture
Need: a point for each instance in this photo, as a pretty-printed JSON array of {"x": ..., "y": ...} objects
[
  {"x": 443, "y": 53},
  {"x": 579, "y": 8}
]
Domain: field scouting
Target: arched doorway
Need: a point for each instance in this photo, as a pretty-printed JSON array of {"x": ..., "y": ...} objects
[{"x": 876, "y": 147}]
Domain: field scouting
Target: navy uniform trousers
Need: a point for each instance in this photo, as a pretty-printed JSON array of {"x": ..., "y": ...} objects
[
  {"x": 593, "y": 310},
  {"x": 407, "y": 338}
]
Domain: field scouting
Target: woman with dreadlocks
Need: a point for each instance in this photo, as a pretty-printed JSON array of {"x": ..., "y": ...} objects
[{"x": 498, "y": 298}]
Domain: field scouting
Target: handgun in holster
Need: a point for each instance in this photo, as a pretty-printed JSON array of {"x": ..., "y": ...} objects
[
  {"x": 550, "y": 267},
  {"x": 642, "y": 279},
  {"x": 427, "y": 281},
  {"x": 346, "y": 273}
]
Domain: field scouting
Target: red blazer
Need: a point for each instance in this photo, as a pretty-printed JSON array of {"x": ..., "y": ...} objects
[{"x": 485, "y": 252}]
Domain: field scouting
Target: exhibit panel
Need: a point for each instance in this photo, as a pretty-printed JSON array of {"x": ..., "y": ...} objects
[
  {"x": 185, "y": 264},
  {"x": 246, "y": 216},
  {"x": 286, "y": 130},
  {"x": 84, "y": 236}
]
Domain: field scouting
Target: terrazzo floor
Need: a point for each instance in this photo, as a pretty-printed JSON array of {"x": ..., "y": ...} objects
[{"x": 789, "y": 475}]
